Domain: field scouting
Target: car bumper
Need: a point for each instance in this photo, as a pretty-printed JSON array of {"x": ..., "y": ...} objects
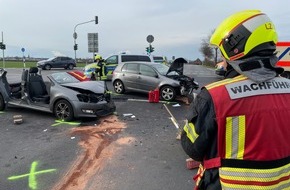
[
  {"x": 39, "y": 66},
  {"x": 83, "y": 109}
]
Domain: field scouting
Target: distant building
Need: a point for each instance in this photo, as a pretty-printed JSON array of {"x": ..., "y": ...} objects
[{"x": 196, "y": 62}]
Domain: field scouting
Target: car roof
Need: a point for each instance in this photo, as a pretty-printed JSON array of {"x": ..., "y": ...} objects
[
  {"x": 121, "y": 54},
  {"x": 140, "y": 62}
]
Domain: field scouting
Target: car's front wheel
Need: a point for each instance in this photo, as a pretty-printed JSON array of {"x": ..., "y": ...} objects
[
  {"x": 70, "y": 66},
  {"x": 63, "y": 110},
  {"x": 167, "y": 93},
  {"x": 47, "y": 67},
  {"x": 2, "y": 103},
  {"x": 119, "y": 87}
]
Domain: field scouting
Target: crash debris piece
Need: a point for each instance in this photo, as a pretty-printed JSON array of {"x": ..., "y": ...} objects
[
  {"x": 127, "y": 114},
  {"x": 192, "y": 164},
  {"x": 17, "y": 119}
]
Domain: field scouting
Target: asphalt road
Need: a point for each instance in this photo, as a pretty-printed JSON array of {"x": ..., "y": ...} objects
[{"x": 134, "y": 149}]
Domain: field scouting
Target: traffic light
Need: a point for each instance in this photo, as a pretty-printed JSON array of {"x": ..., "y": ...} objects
[
  {"x": 147, "y": 49},
  {"x": 2, "y": 46},
  {"x": 96, "y": 20},
  {"x": 76, "y": 47}
]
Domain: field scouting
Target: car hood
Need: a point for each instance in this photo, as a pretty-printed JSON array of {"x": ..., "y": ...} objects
[
  {"x": 43, "y": 61},
  {"x": 93, "y": 86},
  {"x": 177, "y": 66}
]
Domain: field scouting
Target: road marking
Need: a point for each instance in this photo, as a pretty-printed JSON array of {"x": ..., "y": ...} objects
[
  {"x": 59, "y": 122},
  {"x": 32, "y": 182},
  {"x": 172, "y": 117}
]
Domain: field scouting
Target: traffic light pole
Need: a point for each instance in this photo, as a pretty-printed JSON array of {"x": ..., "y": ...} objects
[
  {"x": 3, "y": 53},
  {"x": 75, "y": 34}
]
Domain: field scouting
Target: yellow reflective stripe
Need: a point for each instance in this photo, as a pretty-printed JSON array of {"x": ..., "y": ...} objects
[
  {"x": 281, "y": 186},
  {"x": 227, "y": 171},
  {"x": 241, "y": 137},
  {"x": 229, "y": 140},
  {"x": 225, "y": 81},
  {"x": 235, "y": 137},
  {"x": 189, "y": 128},
  {"x": 276, "y": 178}
]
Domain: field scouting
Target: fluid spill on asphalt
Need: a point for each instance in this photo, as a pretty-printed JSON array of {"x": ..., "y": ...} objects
[{"x": 97, "y": 144}]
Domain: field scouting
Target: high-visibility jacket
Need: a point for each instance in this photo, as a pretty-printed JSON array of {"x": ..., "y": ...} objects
[{"x": 253, "y": 133}]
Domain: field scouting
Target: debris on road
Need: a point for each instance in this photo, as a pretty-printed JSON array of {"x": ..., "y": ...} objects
[
  {"x": 191, "y": 164},
  {"x": 129, "y": 115},
  {"x": 99, "y": 144},
  {"x": 17, "y": 119}
]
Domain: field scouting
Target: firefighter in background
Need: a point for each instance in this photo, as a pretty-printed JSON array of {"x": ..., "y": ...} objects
[
  {"x": 239, "y": 127},
  {"x": 97, "y": 58},
  {"x": 98, "y": 73}
]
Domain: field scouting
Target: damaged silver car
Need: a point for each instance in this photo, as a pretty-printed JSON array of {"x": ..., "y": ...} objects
[
  {"x": 64, "y": 95},
  {"x": 143, "y": 77}
]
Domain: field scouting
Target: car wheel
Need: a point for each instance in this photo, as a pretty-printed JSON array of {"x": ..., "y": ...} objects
[
  {"x": 63, "y": 110},
  {"x": 119, "y": 87},
  {"x": 167, "y": 93},
  {"x": 70, "y": 67},
  {"x": 47, "y": 67},
  {"x": 2, "y": 103}
]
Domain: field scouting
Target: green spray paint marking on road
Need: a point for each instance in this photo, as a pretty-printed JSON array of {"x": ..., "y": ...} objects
[
  {"x": 59, "y": 122},
  {"x": 32, "y": 182}
]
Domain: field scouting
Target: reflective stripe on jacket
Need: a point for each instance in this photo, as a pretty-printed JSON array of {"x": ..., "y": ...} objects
[
  {"x": 190, "y": 131},
  {"x": 253, "y": 132}
]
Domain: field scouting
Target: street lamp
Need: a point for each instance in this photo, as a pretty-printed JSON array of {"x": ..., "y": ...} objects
[{"x": 75, "y": 36}]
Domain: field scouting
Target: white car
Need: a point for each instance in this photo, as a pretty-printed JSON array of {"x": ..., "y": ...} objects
[{"x": 111, "y": 63}]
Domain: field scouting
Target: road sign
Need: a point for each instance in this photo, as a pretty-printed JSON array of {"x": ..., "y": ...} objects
[
  {"x": 150, "y": 38},
  {"x": 93, "y": 44},
  {"x": 283, "y": 54}
]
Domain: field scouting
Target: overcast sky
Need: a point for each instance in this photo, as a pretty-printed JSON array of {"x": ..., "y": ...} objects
[{"x": 45, "y": 28}]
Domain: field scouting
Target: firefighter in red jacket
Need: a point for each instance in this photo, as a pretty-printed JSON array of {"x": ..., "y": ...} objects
[{"x": 239, "y": 127}]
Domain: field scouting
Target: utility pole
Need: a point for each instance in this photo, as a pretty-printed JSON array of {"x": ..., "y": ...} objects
[{"x": 75, "y": 35}]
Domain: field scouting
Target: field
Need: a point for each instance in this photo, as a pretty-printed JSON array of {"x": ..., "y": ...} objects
[{"x": 28, "y": 64}]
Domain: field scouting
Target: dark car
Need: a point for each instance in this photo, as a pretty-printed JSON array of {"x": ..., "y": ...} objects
[
  {"x": 57, "y": 62},
  {"x": 143, "y": 77},
  {"x": 65, "y": 95}
]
